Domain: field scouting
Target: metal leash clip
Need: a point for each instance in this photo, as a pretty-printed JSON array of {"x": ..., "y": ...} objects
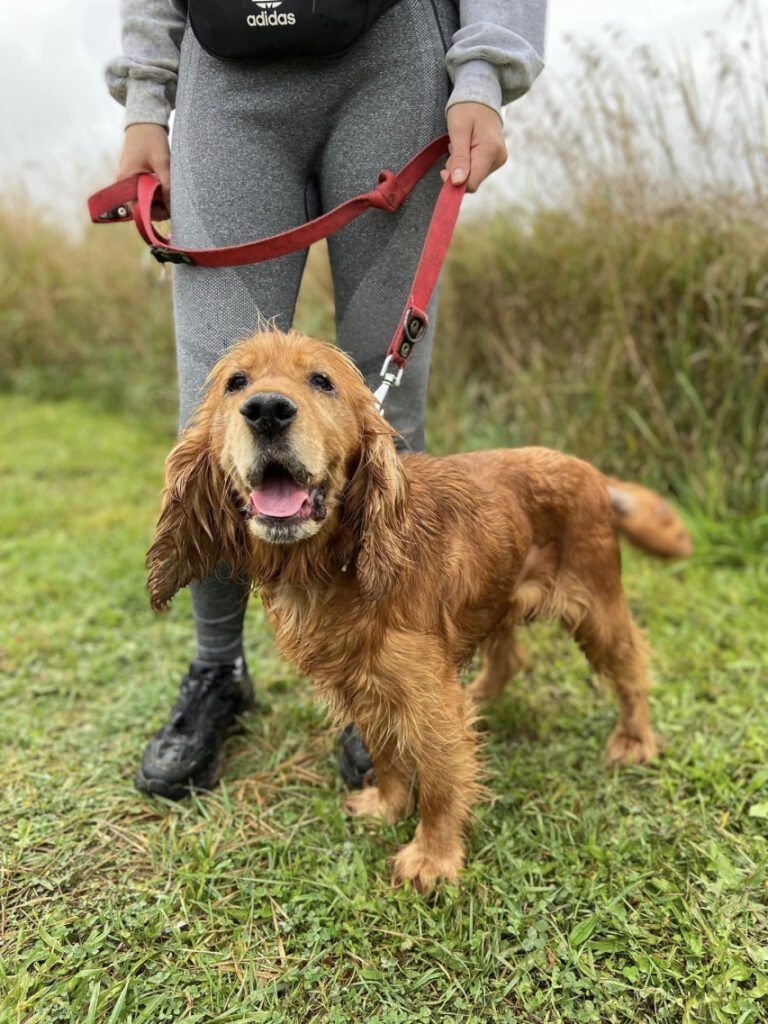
[
  {"x": 389, "y": 379},
  {"x": 165, "y": 255},
  {"x": 413, "y": 329},
  {"x": 116, "y": 213}
]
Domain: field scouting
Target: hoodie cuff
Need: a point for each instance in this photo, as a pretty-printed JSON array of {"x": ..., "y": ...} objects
[
  {"x": 146, "y": 102},
  {"x": 476, "y": 81}
]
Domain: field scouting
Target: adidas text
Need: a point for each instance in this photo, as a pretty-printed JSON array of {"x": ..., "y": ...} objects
[{"x": 266, "y": 20}]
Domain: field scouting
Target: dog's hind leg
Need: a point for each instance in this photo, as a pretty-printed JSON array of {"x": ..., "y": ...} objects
[
  {"x": 393, "y": 795},
  {"x": 617, "y": 651},
  {"x": 503, "y": 656}
]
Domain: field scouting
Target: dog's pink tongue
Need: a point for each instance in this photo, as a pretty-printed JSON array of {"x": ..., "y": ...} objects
[{"x": 279, "y": 497}]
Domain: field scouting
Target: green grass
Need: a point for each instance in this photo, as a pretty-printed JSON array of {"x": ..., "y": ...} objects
[{"x": 631, "y": 896}]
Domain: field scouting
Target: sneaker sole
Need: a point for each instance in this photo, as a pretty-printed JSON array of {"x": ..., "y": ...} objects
[{"x": 155, "y": 786}]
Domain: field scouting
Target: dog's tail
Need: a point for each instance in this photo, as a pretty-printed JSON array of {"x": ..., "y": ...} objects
[{"x": 647, "y": 521}]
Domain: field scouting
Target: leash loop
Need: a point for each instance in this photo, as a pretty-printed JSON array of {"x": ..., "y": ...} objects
[{"x": 388, "y": 194}]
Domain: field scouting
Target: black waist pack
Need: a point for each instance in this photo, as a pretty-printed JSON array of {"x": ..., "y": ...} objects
[{"x": 239, "y": 29}]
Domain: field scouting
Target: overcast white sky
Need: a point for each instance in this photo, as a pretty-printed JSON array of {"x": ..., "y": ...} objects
[{"x": 54, "y": 107}]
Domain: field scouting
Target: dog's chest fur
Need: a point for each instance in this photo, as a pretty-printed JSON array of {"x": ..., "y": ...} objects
[{"x": 326, "y": 631}]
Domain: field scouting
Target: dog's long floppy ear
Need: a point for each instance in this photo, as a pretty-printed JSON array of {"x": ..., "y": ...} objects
[
  {"x": 378, "y": 497},
  {"x": 200, "y": 524}
]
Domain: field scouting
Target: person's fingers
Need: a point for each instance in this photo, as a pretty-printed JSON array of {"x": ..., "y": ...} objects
[
  {"x": 459, "y": 161},
  {"x": 126, "y": 167},
  {"x": 158, "y": 165},
  {"x": 146, "y": 151},
  {"x": 486, "y": 158},
  {"x": 163, "y": 170},
  {"x": 480, "y": 169}
]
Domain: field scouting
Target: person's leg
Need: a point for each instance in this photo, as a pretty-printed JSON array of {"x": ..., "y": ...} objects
[
  {"x": 237, "y": 173},
  {"x": 396, "y": 109},
  {"x": 247, "y": 141},
  {"x": 394, "y": 106}
]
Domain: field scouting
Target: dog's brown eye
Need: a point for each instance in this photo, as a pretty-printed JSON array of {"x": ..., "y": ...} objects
[
  {"x": 322, "y": 382},
  {"x": 237, "y": 382}
]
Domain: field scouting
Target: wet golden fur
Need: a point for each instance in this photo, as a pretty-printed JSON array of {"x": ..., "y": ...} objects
[{"x": 418, "y": 562}]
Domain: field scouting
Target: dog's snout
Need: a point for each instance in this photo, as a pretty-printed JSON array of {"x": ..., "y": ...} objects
[{"x": 269, "y": 413}]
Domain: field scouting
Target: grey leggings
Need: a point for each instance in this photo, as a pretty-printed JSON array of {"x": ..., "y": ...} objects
[{"x": 259, "y": 148}]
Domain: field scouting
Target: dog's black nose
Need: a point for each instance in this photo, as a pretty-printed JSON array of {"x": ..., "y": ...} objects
[{"x": 269, "y": 413}]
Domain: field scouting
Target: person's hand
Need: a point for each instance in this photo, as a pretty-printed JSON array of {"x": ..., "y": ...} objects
[
  {"x": 477, "y": 144},
  {"x": 146, "y": 150}
]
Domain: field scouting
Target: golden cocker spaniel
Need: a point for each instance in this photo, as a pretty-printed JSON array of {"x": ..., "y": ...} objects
[{"x": 382, "y": 574}]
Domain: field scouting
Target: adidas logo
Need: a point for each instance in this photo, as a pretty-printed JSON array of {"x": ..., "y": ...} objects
[{"x": 273, "y": 17}]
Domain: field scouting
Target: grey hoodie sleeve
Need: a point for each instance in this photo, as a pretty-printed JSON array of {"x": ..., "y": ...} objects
[
  {"x": 497, "y": 53},
  {"x": 495, "y": 56},
  {"x": 143, "y": 78}
]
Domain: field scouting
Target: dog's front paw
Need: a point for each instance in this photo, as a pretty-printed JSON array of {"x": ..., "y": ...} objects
[
  {"x": 423, "y": 867},
  {"x": 368, "y": 803},
  {"x": 625, "y": 748}
]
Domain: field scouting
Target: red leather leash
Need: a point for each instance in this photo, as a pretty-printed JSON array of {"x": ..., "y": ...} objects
[
  {"x": 414, "y": 321},
  {"x": 112, "y": 205}
]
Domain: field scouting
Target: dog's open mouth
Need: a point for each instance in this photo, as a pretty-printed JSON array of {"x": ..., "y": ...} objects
[{"x": 281, "y": 499}]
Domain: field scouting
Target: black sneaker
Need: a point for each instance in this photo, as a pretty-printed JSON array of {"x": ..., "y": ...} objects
[
  {"x": 355, "y": 764},
  {"x": 185, "y": 752}
]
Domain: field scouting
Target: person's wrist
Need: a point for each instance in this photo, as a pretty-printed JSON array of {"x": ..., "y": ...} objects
[
  {"x": 135, "y": 126},
  {"x": 485, "y": 108}
]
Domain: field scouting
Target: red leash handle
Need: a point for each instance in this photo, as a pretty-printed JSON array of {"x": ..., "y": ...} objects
[{"x": 112, "y": 204}]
